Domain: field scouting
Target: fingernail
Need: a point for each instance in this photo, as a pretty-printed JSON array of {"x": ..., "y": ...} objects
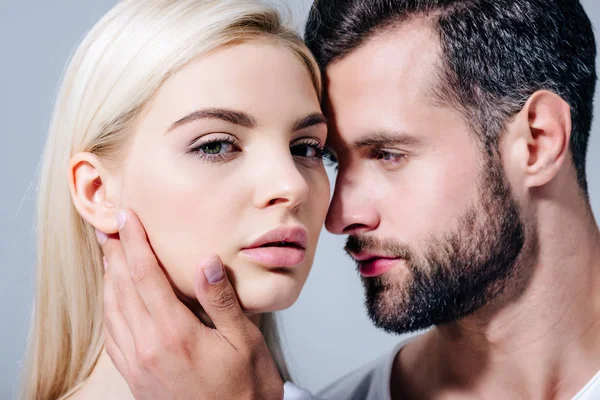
[
  {"x": 101, "y": 236},
  {"x": 213, "y": 271},
  {"x": 121, "y": 219},
  {"x": 105, "y": 263}
]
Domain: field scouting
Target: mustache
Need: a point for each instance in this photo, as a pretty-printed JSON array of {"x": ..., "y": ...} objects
[{"x": 370, "y": 244}]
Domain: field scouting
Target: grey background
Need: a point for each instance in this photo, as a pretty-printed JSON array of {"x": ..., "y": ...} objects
[{"x": 327, "y": 332}]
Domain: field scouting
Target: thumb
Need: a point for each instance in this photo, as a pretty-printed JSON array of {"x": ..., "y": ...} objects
[{"x": 217, "y": 297}]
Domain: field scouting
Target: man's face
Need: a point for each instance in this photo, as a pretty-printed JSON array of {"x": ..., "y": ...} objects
[{"x": 430, "y": 218}]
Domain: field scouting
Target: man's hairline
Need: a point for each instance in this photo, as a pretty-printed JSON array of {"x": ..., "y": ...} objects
[{"x": 439, "y": 92}]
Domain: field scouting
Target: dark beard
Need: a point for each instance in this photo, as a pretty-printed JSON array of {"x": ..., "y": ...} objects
[{"x": 458, "y": 272}]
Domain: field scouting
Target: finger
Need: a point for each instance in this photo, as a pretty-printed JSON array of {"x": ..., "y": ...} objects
[
  {"x": 115, "y": 354},
  {"x": 127, "y": 299},
  {"x": 116, "y": 327},
  {"x": 217, "y": 297},
  {"x": 146, "y": 274}
]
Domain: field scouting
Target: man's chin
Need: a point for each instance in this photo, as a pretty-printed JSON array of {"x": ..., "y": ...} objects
[
  {"x": 399, "y": 313},
  {"x": 390, "y": 312}
]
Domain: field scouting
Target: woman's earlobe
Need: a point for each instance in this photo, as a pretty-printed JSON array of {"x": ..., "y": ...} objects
[{"x": 89, "y": 182}]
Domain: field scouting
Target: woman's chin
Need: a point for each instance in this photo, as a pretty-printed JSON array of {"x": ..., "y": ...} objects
[
  {"x": 257, "y": 293},
  {"x": 268, "y": 298}
]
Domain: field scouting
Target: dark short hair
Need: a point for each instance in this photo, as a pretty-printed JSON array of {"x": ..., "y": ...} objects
[{"x": 495, "y": 54}]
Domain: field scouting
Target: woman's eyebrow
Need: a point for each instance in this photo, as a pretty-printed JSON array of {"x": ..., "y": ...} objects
[
  {"x": 308, "y": 121},
  {"x": 243, "y": 119},
  {"x": 223, "y": 114}
]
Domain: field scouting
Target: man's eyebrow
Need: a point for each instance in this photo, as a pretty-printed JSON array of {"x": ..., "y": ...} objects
[
  {"x": 384, "y": 139},
  {"x": 308, "y": 121},
  {"x": 223, "y": 114}
]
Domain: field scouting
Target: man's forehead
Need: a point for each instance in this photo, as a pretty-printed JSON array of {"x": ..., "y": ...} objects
[
  {"x": 382, "y": 82},
  {"x": 405, "y": 51}
]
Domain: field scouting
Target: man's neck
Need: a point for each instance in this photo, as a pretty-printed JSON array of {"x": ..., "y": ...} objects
[{"x": 543, "y": 344}]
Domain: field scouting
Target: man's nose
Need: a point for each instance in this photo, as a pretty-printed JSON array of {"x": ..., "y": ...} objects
[{"x": 351, "y": 211}]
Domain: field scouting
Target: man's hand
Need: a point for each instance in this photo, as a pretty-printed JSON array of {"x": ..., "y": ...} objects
[{"x": 160, "y": 347}]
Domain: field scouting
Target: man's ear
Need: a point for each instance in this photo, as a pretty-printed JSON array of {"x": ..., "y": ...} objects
[
  {"x": 93, "y": 191},
  {"x": 549, "y": 118}
]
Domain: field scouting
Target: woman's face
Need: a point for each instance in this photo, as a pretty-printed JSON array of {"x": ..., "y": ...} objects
[{"x": 226, "y": 159}]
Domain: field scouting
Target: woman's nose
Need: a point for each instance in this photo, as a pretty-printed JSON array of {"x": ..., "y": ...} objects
[{"x": 281, "y": 184}]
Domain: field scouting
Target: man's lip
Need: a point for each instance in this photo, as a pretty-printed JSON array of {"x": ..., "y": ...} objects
[
  {"x": 361, "y": 257},
  {"x": 296, "y": 236},
  {"x": 377, "y": 266}
]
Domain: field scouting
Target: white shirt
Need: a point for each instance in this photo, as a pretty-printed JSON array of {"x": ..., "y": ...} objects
[{"x": 372, "y": 382}]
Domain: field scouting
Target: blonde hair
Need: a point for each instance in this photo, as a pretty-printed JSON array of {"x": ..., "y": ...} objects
[{"x": 112, "y": 75}]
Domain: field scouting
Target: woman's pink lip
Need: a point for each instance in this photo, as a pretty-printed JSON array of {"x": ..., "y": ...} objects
[
  {"x": 377, "y": 266},
  {"x": 297, "y": 236},
  {"x": 276, "y": 256}
]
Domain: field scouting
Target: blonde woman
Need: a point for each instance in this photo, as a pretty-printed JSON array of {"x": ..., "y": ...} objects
[{"x": 203, "y": 118}]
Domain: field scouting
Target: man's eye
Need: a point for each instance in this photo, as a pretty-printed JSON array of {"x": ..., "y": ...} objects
[{"x": 389, "y": 156}]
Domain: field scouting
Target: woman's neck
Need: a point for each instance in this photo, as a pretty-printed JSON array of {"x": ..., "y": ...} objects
[{"x": 106, "y": 382}]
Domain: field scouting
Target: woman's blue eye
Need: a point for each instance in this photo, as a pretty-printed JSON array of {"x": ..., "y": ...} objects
[{"x": 215, "y": 148}]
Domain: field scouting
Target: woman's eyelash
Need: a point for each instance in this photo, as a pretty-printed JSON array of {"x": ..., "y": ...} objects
[
  {"x": 314, "y": 145},
  {"x": 222, "y": 148},
  {"x": 199, "y": 149}
]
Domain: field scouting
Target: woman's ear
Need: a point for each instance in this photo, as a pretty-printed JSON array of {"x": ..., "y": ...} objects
[{"x": 92, "y": 190}]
